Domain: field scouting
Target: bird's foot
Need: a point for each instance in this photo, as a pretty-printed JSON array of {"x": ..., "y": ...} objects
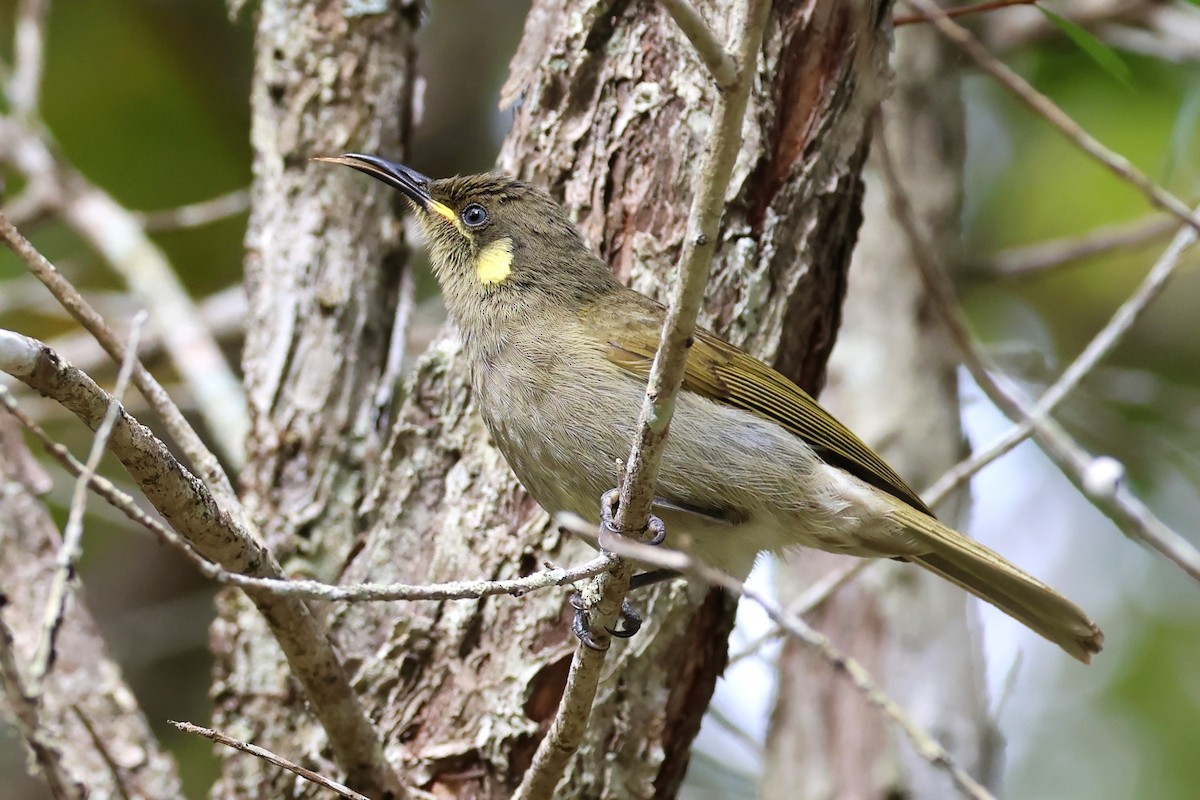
[
  {"x": 610, "y": 503},
  {"x": 629, "y": 622}
]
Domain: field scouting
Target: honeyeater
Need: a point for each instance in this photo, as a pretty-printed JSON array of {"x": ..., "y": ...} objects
[{"x": 559, "y": 351}]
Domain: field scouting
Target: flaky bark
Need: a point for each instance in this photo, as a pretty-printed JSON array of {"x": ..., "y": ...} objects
[
  {"x": 87, "y": 735},
  {"x": 612, "y": 109},
  {"x": 892, "y": 379},
  {"x": 322, "y": 271}
]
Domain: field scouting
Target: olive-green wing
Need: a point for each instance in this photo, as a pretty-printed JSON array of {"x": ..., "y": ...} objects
[{"x": 719, "y": 371}]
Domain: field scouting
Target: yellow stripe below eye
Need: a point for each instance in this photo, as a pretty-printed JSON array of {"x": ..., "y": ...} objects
[{"x": 494, "y": 264}]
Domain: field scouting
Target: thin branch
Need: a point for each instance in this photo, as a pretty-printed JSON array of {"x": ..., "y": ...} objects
[
  {"x": 190, "y": 507},
  {"x": 71, "y": 549},
  {"x": 926, "y": 746},
  {"x": 195, "y": 215},
  {"x": 962, "y": 11},
  {"x": 393, "y": 368},
  {"x": 687, "y": 292},
  {"x": 813, "y": 598},
  {"x": 119, "y": 238},
  {"x": 605, "y": 594},
  {"x": 177, "y": 425},
  {"x": 731, "y": 726},
  {"x": 1098, "y": 478},
  {"x": 104, "y": 488},
  {"x": 1028, "y": 260},
  {"x": 451, "y": 590},
  {"x": 270, "y": 758},
  {"x": 1045, "y": 107},
  {"x": 1098, "y": 348},
  {"x": 102, "y": 747},
  {"x": 224, "y": 313},
  {"x": 305, "y": 589},
  {"x": 194, "y": 351},
  {"x": 712, "y": 53}
]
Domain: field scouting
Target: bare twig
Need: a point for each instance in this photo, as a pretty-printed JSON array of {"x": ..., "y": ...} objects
[
  {"x": 1101, "y": 345},
  {"x": 177, "y": 425},
  {"x": 1098, "y": 478},
  {"x": 813, "y": 598},
  {"x": 925, "y": 745},
  {"x": 103, "y": 487},
  {"x": 308, "y": 590},
  {"x": 270, "y": 758},
  {"x": 962, "y": 11},
  {"x": 451, "y": 590},
  {"x": 194, "y": 351},
  {"x": 116, "y": 235},
  {"x": 606, "y": 593},
  {"x": 195, "y": 215},
  {"x": 72, "y": 542},
  {"x": 385, "y": 392},
  {"x": 102, "y": 747},
  {"x": 1034, "y": 259},
  {"x": 731, "y": 726},
  {"x": 190, "y": 507},
  {"x": 1045, "y": 107},
  {"x": 687, "y": 293},
  {"x": 224, "y": 313},
  {"x": 716, "y": 58}
]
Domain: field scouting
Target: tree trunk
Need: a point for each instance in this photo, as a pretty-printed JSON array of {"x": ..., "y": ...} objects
[
  {"x": 892, "y": 379},
  {"x": 87, "y": 735},
  {"x": 613, "y": 109},
  {"x": 323, "y": 267}
]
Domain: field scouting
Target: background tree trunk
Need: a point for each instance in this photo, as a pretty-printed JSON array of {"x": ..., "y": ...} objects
[
  {"x": 323, "y": 267},
  {"x": 892, "y": 379},
  {"x": 612, "y": 112},
  {"x": 87, "y": 736}
]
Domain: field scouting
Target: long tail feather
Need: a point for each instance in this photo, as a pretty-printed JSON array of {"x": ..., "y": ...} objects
[{"x": 989, "y": 577}]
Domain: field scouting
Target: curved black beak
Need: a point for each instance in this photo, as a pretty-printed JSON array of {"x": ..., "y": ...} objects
[{"x": 413, "y": 184}]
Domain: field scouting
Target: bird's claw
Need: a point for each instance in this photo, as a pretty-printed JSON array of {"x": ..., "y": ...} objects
[
  {"x": 579, "y": 624},
  {"x": 629, "y": 622},
  {"x": 610, "y": 502}
]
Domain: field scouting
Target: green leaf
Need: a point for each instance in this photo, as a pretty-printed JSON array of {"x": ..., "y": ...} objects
[{"x": 1098, "y": 51}]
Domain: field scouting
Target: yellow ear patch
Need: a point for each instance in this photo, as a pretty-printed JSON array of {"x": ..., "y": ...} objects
[{"x": 494, "y": 264}]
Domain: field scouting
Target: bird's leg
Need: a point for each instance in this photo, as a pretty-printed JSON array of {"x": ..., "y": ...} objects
[
  {"x": 644, "y": 579},
  {"x": 629, "y": 622}
]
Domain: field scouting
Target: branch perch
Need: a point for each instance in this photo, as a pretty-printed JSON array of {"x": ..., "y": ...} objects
[
  {"x": 666, "y": 376},
  {"x": 188, "y": 505}
]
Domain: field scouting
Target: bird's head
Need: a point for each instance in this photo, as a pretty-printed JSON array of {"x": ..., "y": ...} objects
[{"x": 494, "y": 241}]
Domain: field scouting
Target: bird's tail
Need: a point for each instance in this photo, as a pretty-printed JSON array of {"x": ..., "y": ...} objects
[{"x": 989, "y": 577}]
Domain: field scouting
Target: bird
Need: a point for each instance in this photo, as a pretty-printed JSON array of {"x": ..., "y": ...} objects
[{"x": 558, "y": 352}]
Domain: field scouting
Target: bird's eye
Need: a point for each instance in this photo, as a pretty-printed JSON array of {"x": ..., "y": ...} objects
[{"x": 474, "y": 215}]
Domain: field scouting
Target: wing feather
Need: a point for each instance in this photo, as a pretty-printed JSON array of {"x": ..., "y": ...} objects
[{"x": 719, "y": 371}]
